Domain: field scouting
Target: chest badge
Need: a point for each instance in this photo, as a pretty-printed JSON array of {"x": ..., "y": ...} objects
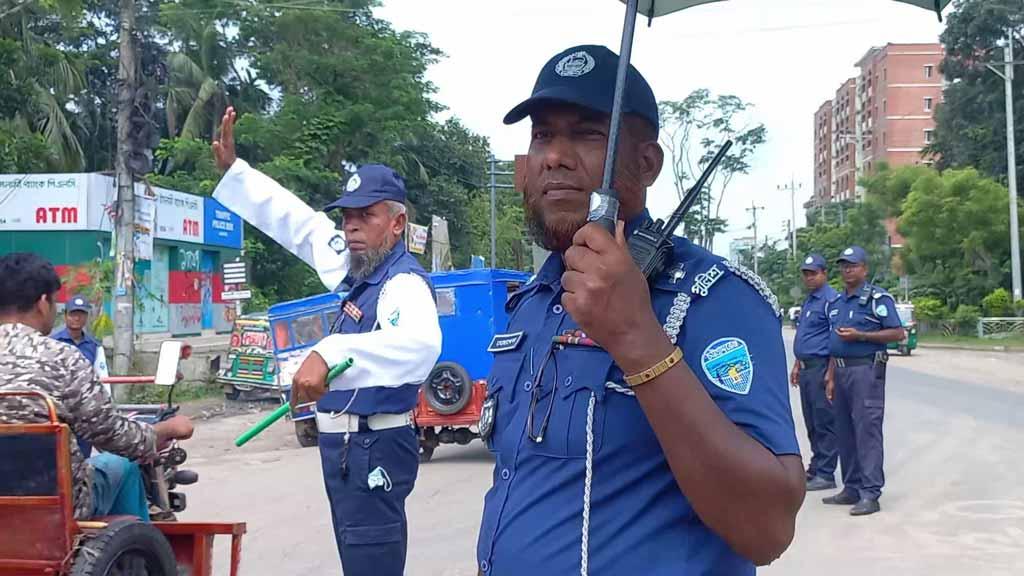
[
  {"x": 353, "y": 311},
  {"x": 487, "y": 411},
  {"x": 726, "y": 363},
  {"x": 505, "y": 342}
]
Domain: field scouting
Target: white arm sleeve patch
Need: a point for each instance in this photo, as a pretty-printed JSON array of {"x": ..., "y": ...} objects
[
  {"x": 402, "y": 351},
  {"x": 278, "y": 213}
]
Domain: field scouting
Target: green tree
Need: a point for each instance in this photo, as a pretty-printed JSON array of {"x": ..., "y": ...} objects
[
  {"x": 970, "y": 123},
  {"x": 693, "y": 129},
  {"x": 956, "y": 227}
]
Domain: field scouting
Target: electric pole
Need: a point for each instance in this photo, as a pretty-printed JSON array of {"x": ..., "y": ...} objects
[
  {"x": 753, "y": 210},
  {"x": 792, "y": 187},
  {"x": 492, "y": 162},
  {"x": 1011, "y": 156},
  {"x": 124, "y": 289}
]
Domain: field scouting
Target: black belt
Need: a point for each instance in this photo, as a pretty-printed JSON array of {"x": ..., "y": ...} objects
[
  {"x": 813, "y": 362},
  {"x": 855, "y": 361}
]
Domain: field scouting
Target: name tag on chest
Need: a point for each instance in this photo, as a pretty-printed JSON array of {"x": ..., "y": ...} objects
[{"x": 505, "y": 342}]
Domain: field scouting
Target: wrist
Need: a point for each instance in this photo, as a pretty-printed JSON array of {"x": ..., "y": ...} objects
[{"x": 643, "y": 349}]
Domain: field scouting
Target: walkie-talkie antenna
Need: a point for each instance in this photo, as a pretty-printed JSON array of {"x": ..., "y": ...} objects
[{"x": 677, "y": 217}]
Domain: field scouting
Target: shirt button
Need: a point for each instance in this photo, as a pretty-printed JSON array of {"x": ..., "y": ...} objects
[
  {"x": 528, "y": 385},
  {"x": 505, "y": 474},
  {"x": 557, "y": 309},
  {"x": 485, "y": 566}
]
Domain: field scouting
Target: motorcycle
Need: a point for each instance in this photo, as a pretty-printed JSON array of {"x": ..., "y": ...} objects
[{"x": 162, "y": 474}]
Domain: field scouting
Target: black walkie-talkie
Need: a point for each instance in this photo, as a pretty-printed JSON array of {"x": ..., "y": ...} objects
[{"x": 651, "y": 244}]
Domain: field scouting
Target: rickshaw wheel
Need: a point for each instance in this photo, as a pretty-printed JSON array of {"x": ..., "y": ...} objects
[
  {"x": 306, "y": 433},
  {"x": 126, "y": 547},
  {"x": 448, "y": 388}
]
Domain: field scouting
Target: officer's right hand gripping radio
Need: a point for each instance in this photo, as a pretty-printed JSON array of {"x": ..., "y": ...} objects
[{"x": 650, "y": 245}]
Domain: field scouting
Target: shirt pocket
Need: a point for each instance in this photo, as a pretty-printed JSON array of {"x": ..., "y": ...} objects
[
  {"x": 577, "y": 404},
  {"x": 503, "y": 377}
]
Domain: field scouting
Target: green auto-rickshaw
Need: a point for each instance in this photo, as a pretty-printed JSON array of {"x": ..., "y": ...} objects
[{"x": 909, "y": 343}]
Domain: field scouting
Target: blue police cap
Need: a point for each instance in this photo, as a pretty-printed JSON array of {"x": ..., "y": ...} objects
[
  {"x": 814, "y": 262},
  {"x": 370, "y": 184},
  {"x": 585, "y": 76},
  {"x": 77, "y": 302},
  {"x": 853, "y": 255}
]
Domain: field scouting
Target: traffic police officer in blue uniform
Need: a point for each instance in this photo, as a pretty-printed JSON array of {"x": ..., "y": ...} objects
[
  {"x": 387, "y": 324},
  {"x": 811, "y": 370},
  {"x": 863, "y": 321},
  {"x": 76, "y": 317},
  {"x": 637, "y": 428}
]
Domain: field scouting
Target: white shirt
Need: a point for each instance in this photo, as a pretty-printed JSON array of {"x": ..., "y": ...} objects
[{"x": 406, "y": 341}]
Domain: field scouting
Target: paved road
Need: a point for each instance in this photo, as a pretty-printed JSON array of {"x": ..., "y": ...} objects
[{"x": 954, "y": 502}]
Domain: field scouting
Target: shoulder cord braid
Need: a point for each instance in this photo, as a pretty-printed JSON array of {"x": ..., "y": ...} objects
[
  {"x": 673, "y": 324},
  {"x": 757, "y": 282}
]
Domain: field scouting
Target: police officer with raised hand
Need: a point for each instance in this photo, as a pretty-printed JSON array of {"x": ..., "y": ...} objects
[
  {"x": 811, "y": 371},
  {"x": 638, "y": 427},
  {"x": 387, "y": 324},
  {"x": 863, "y": 321}
]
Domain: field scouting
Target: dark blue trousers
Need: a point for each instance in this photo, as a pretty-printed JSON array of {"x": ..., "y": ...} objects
[
  {"x": 860, "y": 408},
  {"x": 819, "y": 417},
  {"x": 368, "y": 479}
]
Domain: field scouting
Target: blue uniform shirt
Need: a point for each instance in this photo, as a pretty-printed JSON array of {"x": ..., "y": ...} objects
[
  {"x": 812, "y": 333},
  {"x": 88, "y": 346},
  {"x": 638, "y": 520},
  {"x": 868, "y": 309}
]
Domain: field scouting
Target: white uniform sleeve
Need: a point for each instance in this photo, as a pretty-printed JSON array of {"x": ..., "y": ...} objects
[
  {"x": 278, "y": 213},
  {"x": 402, "y": 351}
]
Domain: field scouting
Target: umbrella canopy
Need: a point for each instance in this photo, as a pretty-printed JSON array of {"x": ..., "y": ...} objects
[{"x": 662, "y": 7}]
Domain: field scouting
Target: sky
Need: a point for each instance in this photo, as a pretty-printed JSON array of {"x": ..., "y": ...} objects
[{"x": 786, "y": 57}]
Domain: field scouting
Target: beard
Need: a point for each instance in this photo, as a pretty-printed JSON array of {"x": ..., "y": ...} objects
[
  {"x": 553, "y": 231},
  {"x": 362, "y": 264}
]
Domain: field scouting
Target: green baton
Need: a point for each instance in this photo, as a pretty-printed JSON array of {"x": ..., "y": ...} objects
[{"x": 285, "y": 408}]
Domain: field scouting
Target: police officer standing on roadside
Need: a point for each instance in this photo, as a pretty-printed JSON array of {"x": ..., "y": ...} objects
[
  {"x": 638, "y": 426},
  {"x": 388, "y": 325},
  {"x": 811, "y": 370},
  {"x": 863, "y": 321}
]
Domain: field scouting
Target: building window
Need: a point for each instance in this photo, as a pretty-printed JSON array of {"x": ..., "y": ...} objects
[
  {"x": 885, "y": 74},
  {"x": 929, "y": 136},
  {"x": 885, "y": 106},
  {"x": 928, "y": 100},
  {"x": 883, "y": 139},
  {"x": 928, "y": 71}
]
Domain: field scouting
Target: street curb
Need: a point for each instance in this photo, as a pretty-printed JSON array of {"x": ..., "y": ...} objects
[{"x": 1004, "y": 349}]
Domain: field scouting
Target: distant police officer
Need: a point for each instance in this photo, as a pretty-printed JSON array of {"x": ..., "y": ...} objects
[
  {"x": 863, "y": 321},
  {"x": 387, "y": 324},
  {"x": 811, "y": 370},
  {"x": 76, "y": 317},
  {"x": 638, "y": 428}
]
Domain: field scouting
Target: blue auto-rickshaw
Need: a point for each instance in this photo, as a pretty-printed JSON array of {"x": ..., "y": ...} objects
[{"x": 470, "y": 308}]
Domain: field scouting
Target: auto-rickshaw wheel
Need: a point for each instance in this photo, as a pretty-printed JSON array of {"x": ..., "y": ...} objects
[
  {"x": 306, "y": 433},
  {"x": 448, "y": 388},
  {"x": 126, "y": 547},
  {"x": 427, "y": 444}
]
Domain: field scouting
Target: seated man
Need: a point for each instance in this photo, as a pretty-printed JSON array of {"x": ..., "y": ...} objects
[{"x": 108, "y": 484}]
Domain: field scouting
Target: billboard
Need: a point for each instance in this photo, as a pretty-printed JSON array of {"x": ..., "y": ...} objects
[
  {"x": 221, "y": 227},
  {"x": 43, "y": 202}
]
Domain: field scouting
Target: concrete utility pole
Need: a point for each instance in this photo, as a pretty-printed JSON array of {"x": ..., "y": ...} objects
[
  {"x": 753, "y": 210},
  {"x": 1011, "y": 156},
  {"x": 124, "y": 290},
  {"x": 492, "y": 162},
  {"x": 792, "y": 187}
]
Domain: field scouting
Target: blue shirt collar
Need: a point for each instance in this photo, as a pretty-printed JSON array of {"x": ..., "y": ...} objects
[{"x": 64, "y": 335}]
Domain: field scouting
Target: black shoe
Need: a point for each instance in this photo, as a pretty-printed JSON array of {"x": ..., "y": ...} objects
[
  {"x": 819, "y": 483},
  {"x": 865, "y": 507},
  {"x": 844, "y": 498}
]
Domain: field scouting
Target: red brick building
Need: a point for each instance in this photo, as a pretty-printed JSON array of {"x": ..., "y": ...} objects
[{"x": 885, "y": 114}]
